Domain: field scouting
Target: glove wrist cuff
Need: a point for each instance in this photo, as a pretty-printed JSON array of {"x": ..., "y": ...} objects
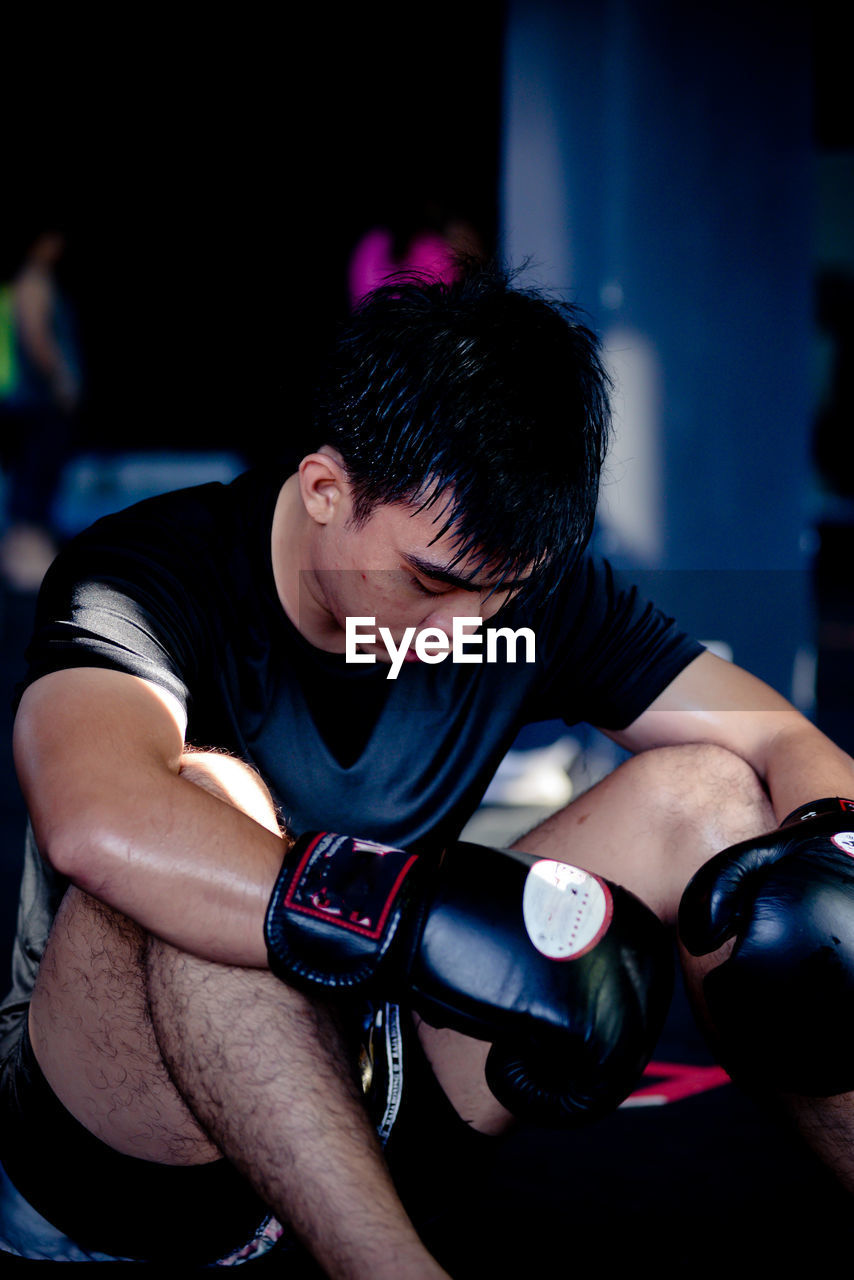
[
  {"x": 335, "y": 909},
  {"x": 819, "y": 808}
]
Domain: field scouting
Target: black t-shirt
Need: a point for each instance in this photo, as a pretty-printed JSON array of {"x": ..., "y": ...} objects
[{"x": 179, "y": 589}]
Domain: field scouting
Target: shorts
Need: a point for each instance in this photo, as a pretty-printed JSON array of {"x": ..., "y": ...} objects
[
  {"x": 107, "y": 1202},
  {"x": 112, "y": 1205}
]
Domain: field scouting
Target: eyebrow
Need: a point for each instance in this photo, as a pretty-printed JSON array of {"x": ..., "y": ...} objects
[{"x": 452, "y": 579}]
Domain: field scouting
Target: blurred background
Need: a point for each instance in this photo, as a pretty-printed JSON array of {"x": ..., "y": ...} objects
[{"x": 189, "y": 203}]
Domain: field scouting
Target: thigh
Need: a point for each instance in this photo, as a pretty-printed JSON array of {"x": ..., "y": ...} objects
[
  {"x": 90, "y": 1014},
  {"x": 92, "y": 1036},
  {"x": 80, "y": 1197}
]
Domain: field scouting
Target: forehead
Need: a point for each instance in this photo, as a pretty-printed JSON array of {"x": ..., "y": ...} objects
[
  {"x": 414, "y": 533},
  {"x": 397, "y": 530},
  {"x": 411, "y": 524}
]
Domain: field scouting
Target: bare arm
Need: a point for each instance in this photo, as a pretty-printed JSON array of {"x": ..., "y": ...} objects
[
  {"x": 98, "y": 755},
  {"x": 715, "y": 701}
]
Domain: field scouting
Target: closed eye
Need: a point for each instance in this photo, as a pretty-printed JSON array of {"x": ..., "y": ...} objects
[{"x": 424, "y": 590}]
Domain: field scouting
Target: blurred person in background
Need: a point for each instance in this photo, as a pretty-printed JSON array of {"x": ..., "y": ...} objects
[
  {"x": 40, "y": 391},
  {"x": 418, "y": 236}
]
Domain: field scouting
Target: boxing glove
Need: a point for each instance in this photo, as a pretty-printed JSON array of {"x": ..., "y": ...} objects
[
  {"x": 782, "y": 1003},
  {"x": 567, "y": 975}
]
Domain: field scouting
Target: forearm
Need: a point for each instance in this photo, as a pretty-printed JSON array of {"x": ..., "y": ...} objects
[
  {"x": 187, "y": 866},
  {"x": 110, "y": 790},
  {"x": 801, "y": 765},
  {"x": 715, "y": 702}
]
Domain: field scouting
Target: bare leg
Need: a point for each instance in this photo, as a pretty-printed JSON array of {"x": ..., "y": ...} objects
[
  {"x": 174, "y": 1059},
  {"x": 648, "y": 826},
  {"x": 656, "y": 819},
  {"x": 825, "y": 1125}
]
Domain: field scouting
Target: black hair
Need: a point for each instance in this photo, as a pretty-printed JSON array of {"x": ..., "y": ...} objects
[{"x": 484, "y": 399}]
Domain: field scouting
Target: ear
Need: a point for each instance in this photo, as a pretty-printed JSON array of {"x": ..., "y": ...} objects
[{"x": 323, "y": 484}]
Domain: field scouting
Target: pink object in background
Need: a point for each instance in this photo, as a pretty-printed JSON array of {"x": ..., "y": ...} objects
[{"x": 372, "y": 261}]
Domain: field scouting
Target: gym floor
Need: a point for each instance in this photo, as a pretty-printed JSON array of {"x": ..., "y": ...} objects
[{"x": 689, "y": 1176}]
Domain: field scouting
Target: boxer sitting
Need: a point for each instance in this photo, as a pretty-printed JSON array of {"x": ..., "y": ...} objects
[{"x": 188, "y": 713}]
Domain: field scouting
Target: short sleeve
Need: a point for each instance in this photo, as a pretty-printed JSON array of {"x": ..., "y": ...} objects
[
  {"x": 609, "y": 652},
  {"x": 121, "y": 597}
]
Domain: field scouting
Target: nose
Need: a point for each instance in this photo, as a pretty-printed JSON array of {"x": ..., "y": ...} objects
[{"x": 443, "y": 618}]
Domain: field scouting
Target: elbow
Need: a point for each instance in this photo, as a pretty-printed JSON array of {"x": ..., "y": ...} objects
[{"x": 79, "y": 847}]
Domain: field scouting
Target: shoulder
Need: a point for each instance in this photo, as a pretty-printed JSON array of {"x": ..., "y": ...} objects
[{"x": 183, "y": 558}]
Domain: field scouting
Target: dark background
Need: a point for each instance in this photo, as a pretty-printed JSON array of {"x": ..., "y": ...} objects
[{"x": 214, "y": 179}]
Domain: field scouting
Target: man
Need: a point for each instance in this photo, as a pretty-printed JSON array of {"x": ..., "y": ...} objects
[{"x": 452, "y": 475}]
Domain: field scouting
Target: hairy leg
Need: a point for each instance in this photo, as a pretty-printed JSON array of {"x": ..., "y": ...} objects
[
  {"x": 171, "y": 1058},
  {"x": 90, "y": 1019},
  {"x": 264, "y": 1074},
  {"x": 92, "y": 1034}
]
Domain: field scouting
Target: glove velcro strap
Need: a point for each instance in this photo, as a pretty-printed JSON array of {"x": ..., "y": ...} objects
[
  {"x": 335, "y": 909},
  {"x": 834, "y": 805}
]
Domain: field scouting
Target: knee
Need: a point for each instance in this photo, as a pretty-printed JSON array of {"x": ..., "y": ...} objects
[
  {"x": 698, "y": 799},
  {"x": 235, "y": 782},
  {"x": 703, "y": 787},
  {"x": 180, "y": 986},
  {"x": 88, "y": 934},
  {"x": 198, "y": 1006},
  {"x": 92, "y": 966}
]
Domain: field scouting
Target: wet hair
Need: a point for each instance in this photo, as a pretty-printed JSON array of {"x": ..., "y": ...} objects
[{"x": 484, "y": 400}]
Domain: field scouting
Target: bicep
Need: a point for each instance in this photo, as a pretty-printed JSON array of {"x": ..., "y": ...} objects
[{"x": 85, "y": 738}]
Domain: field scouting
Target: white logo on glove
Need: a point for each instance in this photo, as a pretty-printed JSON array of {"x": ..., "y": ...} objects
[{"x": 566, "y": 910}]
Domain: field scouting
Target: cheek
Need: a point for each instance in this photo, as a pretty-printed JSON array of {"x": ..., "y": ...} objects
[
  {"x": 371, "y": 594},
  {"x": 489, "y": 608},
  {"x": 379, "y": 591}
]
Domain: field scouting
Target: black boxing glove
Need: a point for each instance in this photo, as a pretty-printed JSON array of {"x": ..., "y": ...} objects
[
  {"x": 569, "y": 976},
  {"x": 782, "y": 1003},
  {"x": 336, "y": 909}
]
